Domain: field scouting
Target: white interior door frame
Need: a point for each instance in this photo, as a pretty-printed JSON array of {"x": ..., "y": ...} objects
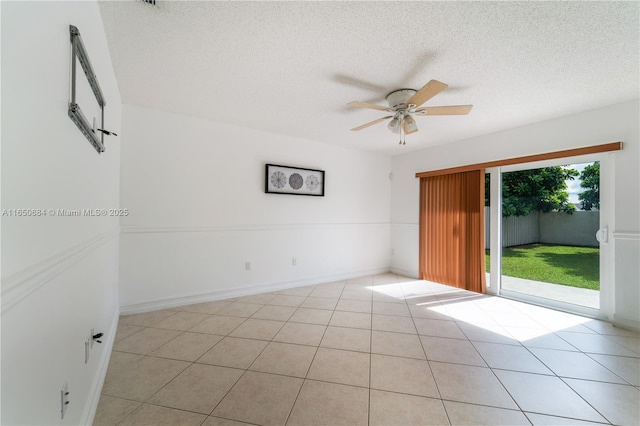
[{"x": 495, "y": 239}]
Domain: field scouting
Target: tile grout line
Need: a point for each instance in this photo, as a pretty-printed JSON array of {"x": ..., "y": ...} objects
[
  {"x": 304, "y": 380},
  {"x": 370, "y": 358},
  {"x": 444, "y": 408},
  {"x": 249, "y": 366},
  {"x": 587, "y": 402},
  {"x": 500, "y": 381},
  {"x": 148, "y": 354},
  {"x": 561, "y": 378},
  {"x": 496, "y": 376},
  {"x": 538, "y": 374},
  {"x": 588, "y": 354},
  {"x": 196, "y": 362},
  {"x": 190, "y": 364},
  {"x": 142, "y": 403}
]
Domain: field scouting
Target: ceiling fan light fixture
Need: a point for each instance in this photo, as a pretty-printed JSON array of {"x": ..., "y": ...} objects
[
  {"x": 410, "y": 123},
  {"x": 394, "y": 125}
]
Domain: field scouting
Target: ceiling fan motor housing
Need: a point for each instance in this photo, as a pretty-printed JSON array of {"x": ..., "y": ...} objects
[{"x": 398, "y": 98}]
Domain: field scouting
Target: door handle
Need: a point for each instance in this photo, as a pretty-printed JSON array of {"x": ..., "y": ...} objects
[{"x": 602, "y": 235}]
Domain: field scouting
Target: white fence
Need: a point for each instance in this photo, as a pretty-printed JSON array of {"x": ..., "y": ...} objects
[{"x": 577, "y": 229}]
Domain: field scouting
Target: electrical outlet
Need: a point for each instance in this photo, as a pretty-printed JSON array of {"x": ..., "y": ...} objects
[
  {"x": 294, "y": 261},
  {"x": 64, "y": 399},
  {"x": 247, "y": 266}
]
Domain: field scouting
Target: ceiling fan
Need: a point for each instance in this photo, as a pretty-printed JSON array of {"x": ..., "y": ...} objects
[{"x": 405, "y": 103}]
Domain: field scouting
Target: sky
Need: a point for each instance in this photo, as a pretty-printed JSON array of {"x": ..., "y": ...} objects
[{"x": 573, "y": 186}]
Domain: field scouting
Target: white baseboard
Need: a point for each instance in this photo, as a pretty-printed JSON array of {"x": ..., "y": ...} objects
[
  {"x": 91, "y": 406},
  {"x": 404, "y": 272},
  {"x": 626, "y": 323},
  {"x": 172, "y": 302}
]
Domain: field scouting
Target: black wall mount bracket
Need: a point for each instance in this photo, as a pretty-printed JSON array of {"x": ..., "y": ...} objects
[{"x": 79, "y": 54}]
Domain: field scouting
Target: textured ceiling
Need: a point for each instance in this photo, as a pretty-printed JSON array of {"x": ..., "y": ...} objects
[{"x": 291, "y": 67}]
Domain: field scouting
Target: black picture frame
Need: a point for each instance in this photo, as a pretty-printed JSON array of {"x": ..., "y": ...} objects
[{"x": 279, "y": 179}]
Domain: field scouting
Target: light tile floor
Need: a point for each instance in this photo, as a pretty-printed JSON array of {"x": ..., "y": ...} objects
[{"x": 379, "y": 350}]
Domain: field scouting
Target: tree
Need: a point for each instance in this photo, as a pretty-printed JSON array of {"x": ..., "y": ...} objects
[
  {"x": 543, "y": 190},
  {"x": 590, "y": 181}
]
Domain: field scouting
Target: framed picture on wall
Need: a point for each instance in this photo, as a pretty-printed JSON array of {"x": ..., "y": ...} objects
[{"x": 293, "y": 180}]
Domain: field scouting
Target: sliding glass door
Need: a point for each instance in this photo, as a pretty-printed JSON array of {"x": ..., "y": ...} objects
[{"x": 547, "y": 233}]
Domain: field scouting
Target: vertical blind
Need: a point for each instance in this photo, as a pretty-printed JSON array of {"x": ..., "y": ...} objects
[{"x": 452, "y": 230}]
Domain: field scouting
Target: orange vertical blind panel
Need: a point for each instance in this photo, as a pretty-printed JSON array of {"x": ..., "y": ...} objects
[{"x": 452, "y": 230}]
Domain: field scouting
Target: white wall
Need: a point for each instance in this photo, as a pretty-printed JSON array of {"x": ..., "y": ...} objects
[
  {"x": 610, "y": 124},
  {"x": 59, "y": 274},
  {"x": 198, "y": 212}
]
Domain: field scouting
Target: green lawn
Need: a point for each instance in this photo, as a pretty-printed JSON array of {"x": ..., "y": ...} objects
[{"x": 566, "y": 265}]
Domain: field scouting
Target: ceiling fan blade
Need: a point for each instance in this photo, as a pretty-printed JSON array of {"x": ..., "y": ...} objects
[
  {"x": 445, "y": 110},
  {"x": 427, "y": 92},
  {"x": 371, "y": 123},
  {"x": 366, "y": 105}
]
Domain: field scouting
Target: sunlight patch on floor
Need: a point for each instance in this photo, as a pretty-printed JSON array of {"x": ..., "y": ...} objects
[{"x": 490, "y": 313}]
